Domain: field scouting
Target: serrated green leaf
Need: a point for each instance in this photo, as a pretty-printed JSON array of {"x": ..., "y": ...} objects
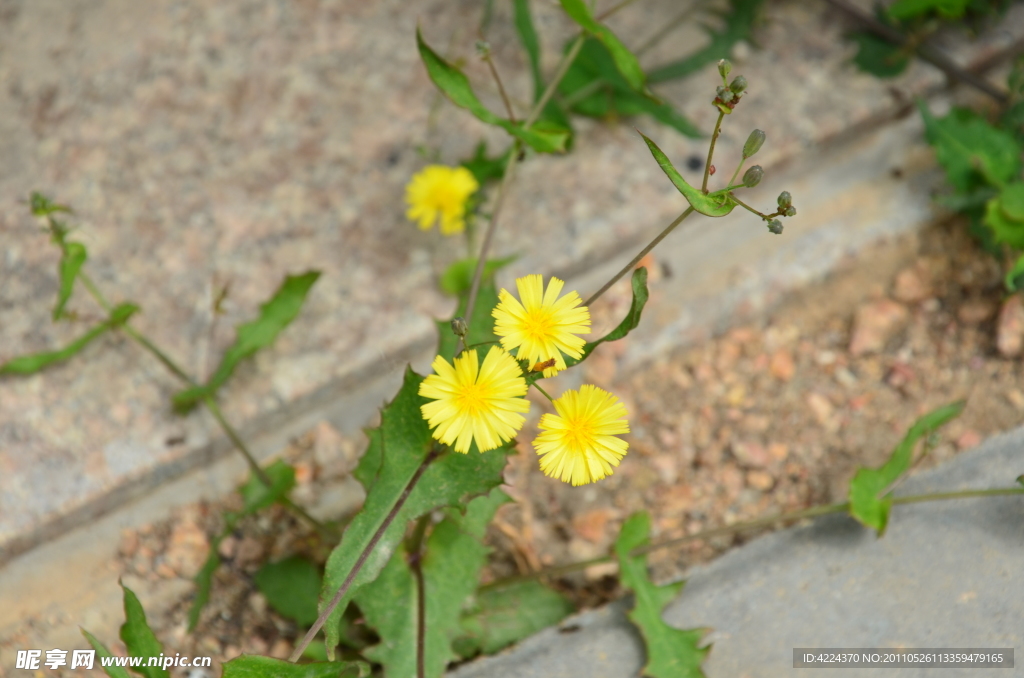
[
  {"x": 1014, "y": 279},
  {"x": 865, "y": 503},
  {"x": 450, "y": 480},
  {"x": 610, "y": 95},
  {"x": 671, "y": 652},
  {"x": 627, "y": 325},
  {"x": 275, "y": 315},
  {"x": 454, "y": 556},
  {"x": 712, "y": 205},
  {"x": 486, "y": 169},
  {"x": 501, "y": 617},
  {"x": 739, "y": 21},
  {"x": 102, "y": 652},
  {"x": 972, "y": 151},
  {"x": 458, "y": 277},
  {"x": 1003, "y": 229},
  {"x": 625, "y": 61},
  {"x": 42, "y": 206},
  {"x": 254, "y": 666},
  {"x": 292, "y": 587},
  {"x": 903, "y": 10},
  {"x": 138, "y": 638},
  {"x": 30, "y": 364},
  {"x": 455, "y": 85},
  {"x": 70, "y": 264},
  {"x": 878, "y": 56}
]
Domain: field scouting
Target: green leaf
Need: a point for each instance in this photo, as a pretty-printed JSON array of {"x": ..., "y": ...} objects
[
  {"x": 1003, "y": 229},
  {"x": 610, "y": 95},
  {"x": 42, "y": 206},
  {"x": 30, "y": 364},
  {"x": 903, "y": 10},
  {"x": 450, "y": 480},
  {"x": 1014, "y": 279},
  {"x": 972, "y": 151},
  {"x": 102, "y": 652},
  {"x": 628, "y": 324},
  {"x": 138, "y": 638},
  {"x": 528, "y": 36},
  {"x": 740, "y": 18},
  {"x": 458, "y": 277},
  {"x": 486, "y": 169},
  {"x": 255, "y": 496},
  {"x": 453, "y": 82},
  {"x": 625, "y": 61},
  {"x": 878, "y": 56},
  {"x": 712, "y": 205},
  {"x": 454, "y": 556},
  {"x": 254, "y": 666},
  {"x": 292, "y": 587},
  {"x": 671, "y": 652},
  {"x": 70, "y": 264},
  {"x": 275, "y": 315},
  {"x": 1011, "y": 201},
  {"x": 369, "y": 464},
  {"x": 501, "y": 617},
  {"x": 865, "y": 504}
]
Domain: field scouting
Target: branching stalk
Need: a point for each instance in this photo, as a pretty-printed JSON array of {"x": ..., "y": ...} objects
[{"x": 711, "y": 151}]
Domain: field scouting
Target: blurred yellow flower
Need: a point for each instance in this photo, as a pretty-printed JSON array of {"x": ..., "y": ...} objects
[
  {"x": 543, "y": 326},
  {"x": 475, "y": 402},
  {"x": 578, "y": 444},
  {"x": 439, "y": 192}
]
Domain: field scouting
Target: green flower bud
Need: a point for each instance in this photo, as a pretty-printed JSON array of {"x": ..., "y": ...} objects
[
  {"x": 752, "y": 177},
  {"x": 738, "y": 85},
  {"x": 775, "y": 226},
  {"x": 483, "y": 49},
  {"x": 754, "y": 143},
  {"x": 790, "y": 211},
  {"x": 459, "y": 327},
  {"x": 723, "y": 68},
  {"x": 785, "y": 199},
  {"x": 725, "y": 95}
]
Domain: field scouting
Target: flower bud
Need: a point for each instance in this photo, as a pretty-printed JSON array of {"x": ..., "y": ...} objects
[
  {"x": 785, "y": 199},
  {"x": 775, "y": 226},
  {"x": 738, "y": 84},
  {"x": 723, "y": 68},
  {"x": 483, "y": 49},
  {"x": 790, "y": 211},
  {"x": 752, "y": 177},
  {"x": 459, "y": 326},
  {"x": 754, "y": 143},
  {"x": 725, "y": 95}
]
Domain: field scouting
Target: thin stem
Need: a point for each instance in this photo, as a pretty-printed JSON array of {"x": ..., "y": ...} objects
[
  {"x": 537, "y": 386},
  {"x": 416, "y": 565},
  {"x": 501, "y": 88},
  {"x": 643, "y": 253},
  {"x": 581, "y": 94},
  {"x": 735, "y": 174},
  {"x": 563, "y": 68},
  {"x": 925, "y": 51},
  {"x": 747, "y": 207},
  {"x": 803, "y": 514},
  {"x": 711, "y": 151},
  {"x": 668, "y": 28},
  {"x": 612, "y": 10},
  {"x": 388, "y": 519}
]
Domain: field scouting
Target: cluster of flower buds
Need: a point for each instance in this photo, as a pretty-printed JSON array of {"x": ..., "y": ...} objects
[
  {"x": 786, "y": 209},
  {"x": 729, "y": 93}
]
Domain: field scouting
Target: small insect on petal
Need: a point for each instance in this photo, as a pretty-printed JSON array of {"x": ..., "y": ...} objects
[{"x": 540, "y": 367}]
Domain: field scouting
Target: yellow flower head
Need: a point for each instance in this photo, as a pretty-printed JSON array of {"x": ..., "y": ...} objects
[
  {"x": 440, "y": 192},
  {"x": 578, "y": 444},
  {"x": 543, "y": 326},
  {"x": 475, "y": 402}
]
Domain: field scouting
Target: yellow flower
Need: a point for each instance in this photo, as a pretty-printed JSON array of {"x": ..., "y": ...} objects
[
  {"x": 440, "y": 192},
  {"x": 578, "y": 444},
  {"x": 475, "y": 402},
  {"x": 543, "y": 326}
]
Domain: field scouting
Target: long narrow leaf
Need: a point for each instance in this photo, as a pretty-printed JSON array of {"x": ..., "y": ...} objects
[
  {"x": 138, "y": 637},
  {"x": 455, "y": 85},
  {"x": 30, "y": 364},
  {"x": 712, "y": 205},
  {"x": 625, "y": 60},
  {"x": 254, "y": 666},
  {"x": 275, "y": 315},
  {"x": 70, "y": 264},
  {"x": 102, "y": 652}
]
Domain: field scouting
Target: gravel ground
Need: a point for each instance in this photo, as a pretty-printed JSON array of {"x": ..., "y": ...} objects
[{"x": 764, "y": 419}]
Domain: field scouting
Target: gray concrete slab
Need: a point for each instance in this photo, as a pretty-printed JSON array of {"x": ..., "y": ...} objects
[
  {"x": 946, "y": 574},
  {"x": 203, "y": 142}
]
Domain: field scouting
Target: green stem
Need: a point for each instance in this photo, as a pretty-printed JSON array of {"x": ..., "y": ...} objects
[
  {"x": 736, "y": 174},
  {"x": 668, "y": 28},
  {"x": 711, "y": 151},
  {"x": 748, "y": 207},
  {"x": 629, "y": 267},
  {"x": 415, "y": 552},
  {"x": 607, "y": 13},
  {"x": 537, "y": 386},
  {"x": 501, "y": 88},
  {"x": 813, "y": 512}
]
